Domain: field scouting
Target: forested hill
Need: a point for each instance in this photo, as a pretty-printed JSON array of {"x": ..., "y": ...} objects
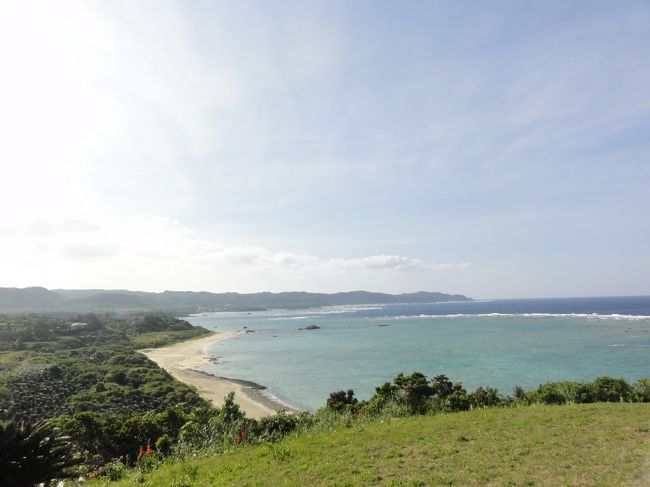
[{"x": 38, "y": 299}]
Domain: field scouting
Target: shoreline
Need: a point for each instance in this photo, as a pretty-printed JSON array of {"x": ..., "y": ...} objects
[{"x": 183, "y": 361}]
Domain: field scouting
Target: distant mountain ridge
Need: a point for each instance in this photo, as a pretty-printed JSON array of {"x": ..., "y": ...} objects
[{"x": 39, "y": 299}]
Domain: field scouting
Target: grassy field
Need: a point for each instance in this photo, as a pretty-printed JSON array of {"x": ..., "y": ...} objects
[{"x": 587, "y": 444}]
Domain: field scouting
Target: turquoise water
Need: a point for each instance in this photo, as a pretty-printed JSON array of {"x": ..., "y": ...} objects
[{"x": 362, "y": 347}]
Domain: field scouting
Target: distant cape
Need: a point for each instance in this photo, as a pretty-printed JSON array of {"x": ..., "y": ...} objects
[{"x": 39, "y": 299}]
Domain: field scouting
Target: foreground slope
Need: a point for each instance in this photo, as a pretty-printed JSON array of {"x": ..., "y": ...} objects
[{"x": 587, "y": 444}]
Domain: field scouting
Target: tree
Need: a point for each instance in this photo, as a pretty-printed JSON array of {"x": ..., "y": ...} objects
[
  {"x": 441, "y": 386},
  {"x": 416, "y": 390},
  {"x": 341, "y": 401},
  {"x": 484, "y": 397},
  {"x": 230, "y": 411}
]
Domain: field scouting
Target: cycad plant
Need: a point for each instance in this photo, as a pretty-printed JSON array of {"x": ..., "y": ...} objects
[{"x": 34, "y": 453}]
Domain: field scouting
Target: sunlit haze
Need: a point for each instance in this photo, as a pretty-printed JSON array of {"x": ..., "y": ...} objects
[{"x": 489, "y": 149}]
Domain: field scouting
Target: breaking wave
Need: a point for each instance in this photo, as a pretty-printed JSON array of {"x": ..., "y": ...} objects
[{"x": 593, "y": 316}]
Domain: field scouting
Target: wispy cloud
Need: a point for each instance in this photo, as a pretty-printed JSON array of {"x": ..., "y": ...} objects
[
  {"x": 88, "y": 251},
  {"x": 263, "y": 258},
  {"x": 393, "y": 262},
  {"x": 260, "y": 257},
  {"x": 64, "y": 226}
]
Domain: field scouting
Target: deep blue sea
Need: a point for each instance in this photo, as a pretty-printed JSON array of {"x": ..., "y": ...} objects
[{"x": 500, "y": 343}]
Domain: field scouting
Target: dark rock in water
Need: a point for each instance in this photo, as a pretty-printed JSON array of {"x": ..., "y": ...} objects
[{"x": 310, "y": 327}]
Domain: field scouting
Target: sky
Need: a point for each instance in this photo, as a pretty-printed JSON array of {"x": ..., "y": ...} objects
[{"x": 495, "y": 149}]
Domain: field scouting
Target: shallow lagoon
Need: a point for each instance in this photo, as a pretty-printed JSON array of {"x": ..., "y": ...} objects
[{"x": 497, "y": 343}]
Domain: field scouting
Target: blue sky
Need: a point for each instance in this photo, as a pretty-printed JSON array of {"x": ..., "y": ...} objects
[{"x": 496, "y": 150}]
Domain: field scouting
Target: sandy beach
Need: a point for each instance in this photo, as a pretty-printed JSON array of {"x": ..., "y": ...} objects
[{"x": 182, "y": 360}]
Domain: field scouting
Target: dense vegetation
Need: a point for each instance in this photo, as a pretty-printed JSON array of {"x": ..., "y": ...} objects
[
  {"x": 52, "y": 367},
  {"x": 99, "y": 403},
  {"x": 415, "y": 394},
  {"x": 79, "y": 371}
]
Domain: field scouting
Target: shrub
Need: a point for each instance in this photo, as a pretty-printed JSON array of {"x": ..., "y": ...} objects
[
  {"x": 230, "y": 411},
  {"x": 114, "y": 470},
  {"x": 484, "y": 397},
  {"x": 556, "y": 392},
  {"x": 609, "y": 389},
  {"x": 584, "y": 393},
  {"x": 208, "y": 427},
  {"x": 384, "y": 395},
  {"x": 457, "y": 401},
  {"x": 641, "y": 390},
  {"x": 273, "y": 428},
  {"x": 519, "y": 394},
  {"x": 164, "y": 444}
]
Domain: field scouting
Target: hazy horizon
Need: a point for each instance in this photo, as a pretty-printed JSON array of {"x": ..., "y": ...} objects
[
  {"x": 475, "y": 298},
  {"x": 495, "y": 151}
]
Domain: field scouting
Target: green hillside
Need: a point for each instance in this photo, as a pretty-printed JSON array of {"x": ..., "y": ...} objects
[
  {"x": 584, "y": 444},
  {"x": 38, "y": 299}
]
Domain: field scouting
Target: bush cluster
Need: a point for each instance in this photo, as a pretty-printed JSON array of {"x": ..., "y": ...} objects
[
  {"x": 415, "y": 394},
  {"x": 58, "y": 370},
  {"x": 603, "y": 389}
]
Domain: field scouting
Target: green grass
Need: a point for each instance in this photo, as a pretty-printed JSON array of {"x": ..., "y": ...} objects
[{"x": 582, "y": 445}]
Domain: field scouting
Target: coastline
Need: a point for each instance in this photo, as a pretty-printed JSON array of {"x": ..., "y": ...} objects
[{"x": 183, "y": 361}]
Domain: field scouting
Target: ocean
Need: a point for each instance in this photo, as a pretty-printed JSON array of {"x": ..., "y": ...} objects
[{"x": 498, "y": 343}]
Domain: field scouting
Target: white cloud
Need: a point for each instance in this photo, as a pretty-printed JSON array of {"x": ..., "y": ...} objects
[
  {"x": 82, "y": 251},
  {"x": 393, "y": 262},
  {"x": 64, "y": 226},
  {"x": 262, "y": 258},
  {"x": 159, "y": 253}
]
